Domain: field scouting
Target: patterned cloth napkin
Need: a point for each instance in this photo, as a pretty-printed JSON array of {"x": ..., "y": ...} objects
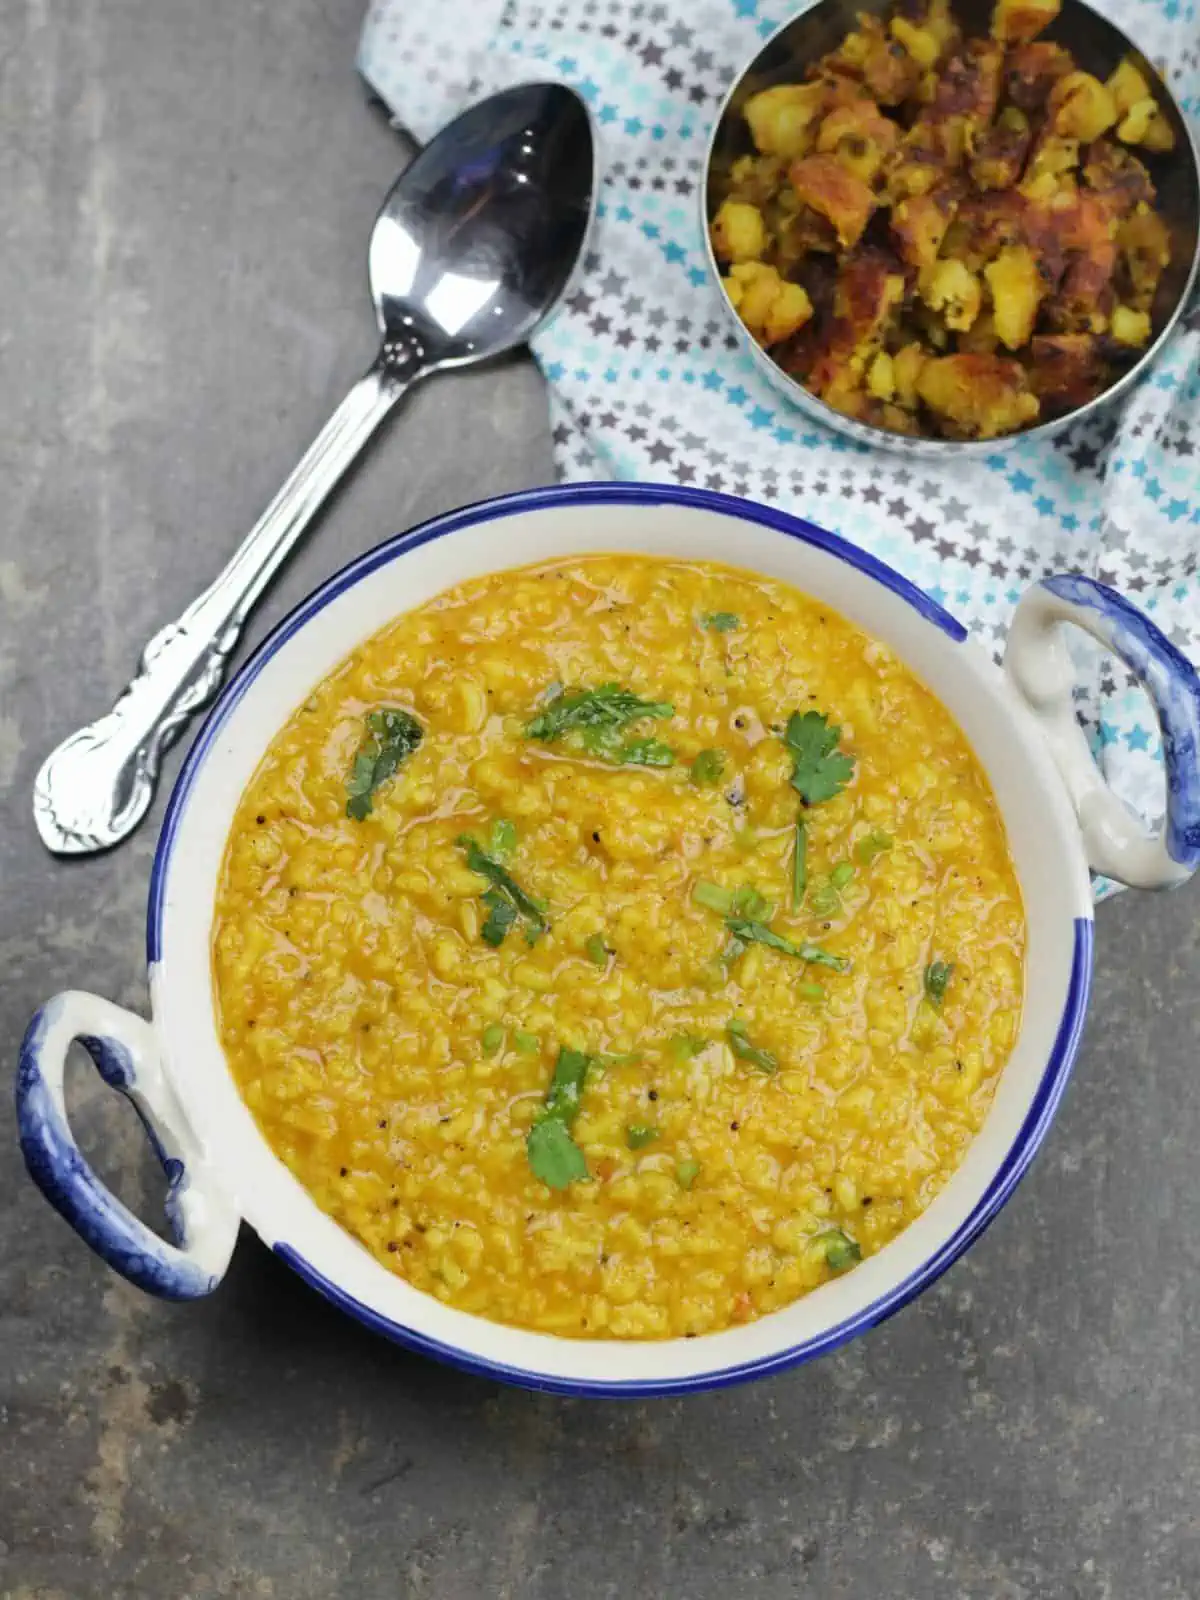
[{"x": 648, "y": 381}]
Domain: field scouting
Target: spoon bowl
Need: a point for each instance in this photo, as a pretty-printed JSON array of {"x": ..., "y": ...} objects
[
  {"x": 478, "y": 239},
  {"x": 474, "y": 247}
]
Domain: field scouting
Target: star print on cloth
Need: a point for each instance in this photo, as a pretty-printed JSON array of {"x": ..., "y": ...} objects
[{"x": 648, "y": 380}]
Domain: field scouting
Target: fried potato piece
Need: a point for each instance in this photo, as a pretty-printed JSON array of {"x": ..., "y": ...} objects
[
  {"x": 834, "y": 192},
  {"x": 1127, "y": 85},
  {"x": 979, "y": 396},
  {"x": 1141, "y": 119},
  {"x": 1080, "y": 107},
  {"x": 947, "y": 287},
  {"x": 919, "y": 224},
  {"x": 1032, "y": 70},
  {"x": 860, "y": 136},
  {"x": 981, "y": 337},
  {"x": 782, "y": 119},
  {"x": 756, "y": 179},
  {"x": 1000, "y": 158},
  {"x": 882, "y": 64},
  {"x": 1118, "y": 177},
  {"x": 906, "y": 370},
  {"x": 984, "y": 224},
  {"x": 739, "y": 232},
  {"x": 1145, "y": 251},
  {"x": 1051, "y": 167},
  {"x": 1017, "y": 289},
  {"x": 1065, "y": 371},
  {"x": 1129, "y": 327},
  {"x": 867, "y": 289},
  {"x": 771, "y": 308},
  {"x": 1018, "y": 21}
]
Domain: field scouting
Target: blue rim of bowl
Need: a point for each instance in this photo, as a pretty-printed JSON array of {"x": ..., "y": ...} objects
[{"x": 1054, "y": 1076}]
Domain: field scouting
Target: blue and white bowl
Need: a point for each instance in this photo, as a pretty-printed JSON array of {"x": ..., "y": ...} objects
[{"x": 1061, "y": 818}]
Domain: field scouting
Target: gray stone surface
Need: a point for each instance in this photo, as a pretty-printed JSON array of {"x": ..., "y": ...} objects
[{"x": 186, "y": 191}]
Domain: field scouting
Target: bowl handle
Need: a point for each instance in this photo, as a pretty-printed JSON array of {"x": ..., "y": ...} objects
[
  {"x": 1039, "y": 667},
  {"x": 123, "y": 1048}
]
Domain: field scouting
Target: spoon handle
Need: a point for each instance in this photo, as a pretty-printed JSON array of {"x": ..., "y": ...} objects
[{"x": 96, "y": 786}]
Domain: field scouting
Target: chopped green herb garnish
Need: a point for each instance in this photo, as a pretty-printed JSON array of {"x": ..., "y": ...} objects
[
  {"x": 391, "y": 737},
  {"x": 937, "y": 976},
  {"x": 820, "y": 770},
  {"x": 799, "y": 865},
  {"x": 810, "y": 991},
  {"x": 686, "y": 1173},
  {"x": 721, "y": 622},
  {"x": 686, "y": 1045},
  {"x": 745, "y": 1051},
  {"x": 758, "y": 933},
  {"x": 597, "y": 950},
  {"x": 745, "y": 901},
  {"x": 505, "y": 900},
  {"x": 554, "y": 1157},
  {"x": 823, "y": 899},
  {"x": 492, "y": 1039},
  {"x": 528, "y": 1044},
  {"x": 609, "y": 706},
  {"x": 841, "y": 1251},
  {"x": 708, "y": 767},
  {"x": 872, "y": 845},
  {"x": 646, "y": 753},
  {"x": 639, "y": 1134},
  {"x": 503, "y": 840},
  {"x": 841, "y": 875},
  {"x": 500, "y": 918}
]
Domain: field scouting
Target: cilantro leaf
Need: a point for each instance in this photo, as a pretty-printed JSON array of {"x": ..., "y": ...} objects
[
  {"x": 505, "y": 900},
  {"x": 640, "y": 1134},
  {"x": 646, "y": 753},
  {"x": 749, "y": 932},
  {"x": 597, "y": 950},
  {"x": 554, "y": 1157},
  {"x": 841, "y": 1251},
  {"x": 500, "y": 918},
  {"x": 503, "y": 840},
  {"x": 721, "y": 621},
  {"x": 391, "y": 737},
  {"x": 686, "y": 1045},
  {"x": 708, "y": 767},
  {"x": 745, "y": 1051},
  {"x": 820, "y": 770},
  {"x": 745, "y": 901},
  {"x": 937, "y": 976},
  {"x": 874, "y": 844},
  {"x": 566, "y": 1086},
  {"x": 609, "y": 706},
  {"x": 686, "y": 1173}
]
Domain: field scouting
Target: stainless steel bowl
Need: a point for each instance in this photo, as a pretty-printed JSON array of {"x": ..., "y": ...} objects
[{"x": 1097, "y": 46}]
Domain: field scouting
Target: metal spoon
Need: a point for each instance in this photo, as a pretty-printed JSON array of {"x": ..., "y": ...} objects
[{"x": 474, "y": 246}]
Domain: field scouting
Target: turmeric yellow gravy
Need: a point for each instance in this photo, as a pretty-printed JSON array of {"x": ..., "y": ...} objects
[{"x": 753, "y": 1034}]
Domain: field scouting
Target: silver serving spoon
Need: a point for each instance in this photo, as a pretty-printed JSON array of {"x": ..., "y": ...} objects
[{"x": 474, "y": 246}]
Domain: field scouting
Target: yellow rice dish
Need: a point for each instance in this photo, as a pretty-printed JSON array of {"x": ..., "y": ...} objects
[{"x": 619, "y": 948}]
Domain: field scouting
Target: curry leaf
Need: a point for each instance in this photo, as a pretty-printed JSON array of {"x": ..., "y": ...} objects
[{"x": 391, "y": 737}]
